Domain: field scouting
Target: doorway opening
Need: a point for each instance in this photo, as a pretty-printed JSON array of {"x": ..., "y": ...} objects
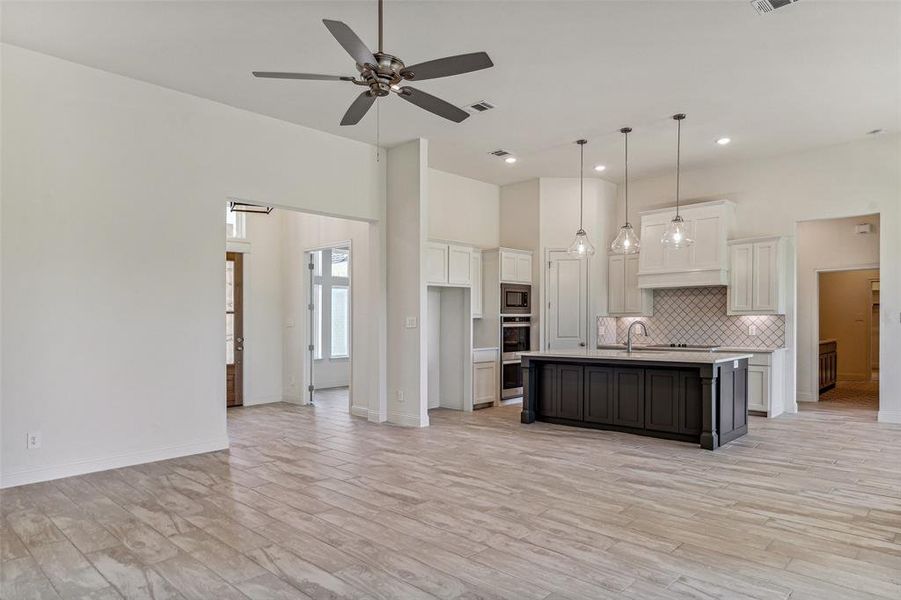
[
  {"x": 234, "y": 329},
  {"x": 848, "y": 360},
  {"x": 329, "y": 277}
]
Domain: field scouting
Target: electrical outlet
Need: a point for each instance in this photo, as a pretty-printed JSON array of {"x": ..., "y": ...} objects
[
  {"x": 752, "y": 330},
  {"x": 400, "y": 396},
  {"x": 34, "y": 440}
]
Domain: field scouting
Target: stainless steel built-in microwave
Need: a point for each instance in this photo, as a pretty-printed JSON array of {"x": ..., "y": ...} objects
[{"x": 516, "y": 299}]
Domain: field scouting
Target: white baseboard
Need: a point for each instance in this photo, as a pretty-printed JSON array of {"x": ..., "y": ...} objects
[
  {"x": 262, "y": 400},
  {"x": 359, "y": 411},
  {"x": 808, "y": 397},
  {"x": 295, "y": 399},
  {"x": 889, "y": 416},
  {"x": 408, "y": 420},
  {"x": 36, "y": 475}
]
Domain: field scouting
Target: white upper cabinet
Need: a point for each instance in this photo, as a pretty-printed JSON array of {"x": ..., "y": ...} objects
[
  {"x": 477, "y": 302},
  {"x": 516, "y": 266},
  {"x": 703, "y": 263},
  {"x": 436, "y": 263},
  {"x": 757, "y": 277},
  {"x": 459, "y": 270},
  {"x": 624, "y": 297}
]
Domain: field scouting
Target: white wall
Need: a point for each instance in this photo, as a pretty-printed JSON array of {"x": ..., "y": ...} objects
[
  {"x": 559, "y": 220},
  {"x": 774, "y": 194},
  {"x": 263, "y": 309},
  {"x": 112, "y": 256},
  {"x": 463, "y": 210},
  {"x": 824, "y": 245},
  {"x": 406, "y": 232},
  {"x": 302, "y": 232}
]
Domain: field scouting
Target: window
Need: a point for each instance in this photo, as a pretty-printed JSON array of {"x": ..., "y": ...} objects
[
  {"x": 234, "y": 224},
  {"x": 331, "y": 303}
]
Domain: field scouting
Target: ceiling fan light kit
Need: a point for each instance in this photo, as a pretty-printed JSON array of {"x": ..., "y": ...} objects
[
  {"x": 676, "y": 234},
  {"x": 626, "y": 241},
  {"x": 383, "y": 74}
]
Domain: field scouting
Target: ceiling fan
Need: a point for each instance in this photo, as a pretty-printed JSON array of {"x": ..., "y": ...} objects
[{"x": 383, "y": 73}]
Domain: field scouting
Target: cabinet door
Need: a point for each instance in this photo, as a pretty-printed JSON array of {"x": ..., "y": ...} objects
[
  {"x": 547, "y": 390},
  {"x": 690, "y": 402},
  {"x": 741, "y": 277},
  {"x": 633, "y": 295},
  {"x": 598, "y": 406},
  {"x": 651, "y": 256},
  {"x": 508, "y": 267},
  {"x": 662, "y": 391},
  {"x": 569, "y": 392},
  {"x": 484, "y": 382},
  {"x": 628, "y": 397},
  {"x": 765, "y": 290},
  {"x": 459, "y": 265},
  {"x": 616, "y": 284},
  {"x": 436, "y": 263},
  {"x": 476, "y": 284},
  {"x": 708, "y": 243},
  {"x": 523, "y": 268},
  {"x": 758, "y": 388}
]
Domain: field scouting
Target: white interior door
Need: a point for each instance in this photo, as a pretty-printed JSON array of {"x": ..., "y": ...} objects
[{"x": 567, "y": 308}]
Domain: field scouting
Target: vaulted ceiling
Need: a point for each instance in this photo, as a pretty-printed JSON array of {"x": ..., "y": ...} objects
[{"x": 814, "y": 73}]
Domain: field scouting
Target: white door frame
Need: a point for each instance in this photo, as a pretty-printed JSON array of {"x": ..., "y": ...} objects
[
  {"x": 307, "y": 298},
  {"x": 546, "y": 294},
  {"x": 815, "y": 328}
]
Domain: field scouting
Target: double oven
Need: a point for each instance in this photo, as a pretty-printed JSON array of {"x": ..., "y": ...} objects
[{"x": 516, "y": 328}]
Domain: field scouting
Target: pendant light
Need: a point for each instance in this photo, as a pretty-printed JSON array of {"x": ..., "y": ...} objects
[
  {"x": 581, "y": 246},
  {"x": 626, "y": 241},
  {"x": 676, "y": 234}
]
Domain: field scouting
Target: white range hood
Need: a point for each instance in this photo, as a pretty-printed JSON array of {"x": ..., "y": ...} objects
[{"x": 705, "y": 263}]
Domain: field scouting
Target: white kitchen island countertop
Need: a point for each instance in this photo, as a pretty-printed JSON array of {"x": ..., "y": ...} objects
[{"x": 673, "y": 356}]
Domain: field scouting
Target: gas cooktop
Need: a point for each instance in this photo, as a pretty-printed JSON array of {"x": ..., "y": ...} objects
[{"x": 698, "y": 348}]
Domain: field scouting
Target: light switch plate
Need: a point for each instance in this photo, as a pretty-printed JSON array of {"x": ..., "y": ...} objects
[
  {"x": 33, "y": 440},
  {"x": 410, "y": 323}
]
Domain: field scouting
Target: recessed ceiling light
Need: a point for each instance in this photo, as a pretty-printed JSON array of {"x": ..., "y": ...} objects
[
  {"x": 510, "y": 160},
  {"x": 723, "y": 141},
  {"x": 600, "y": 168}
]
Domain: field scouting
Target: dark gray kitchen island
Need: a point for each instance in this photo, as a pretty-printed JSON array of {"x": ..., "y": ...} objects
[{"x": 699, "y": 397}]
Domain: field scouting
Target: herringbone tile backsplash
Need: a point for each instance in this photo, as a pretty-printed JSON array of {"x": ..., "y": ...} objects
[{"x": 698, "y": 316}]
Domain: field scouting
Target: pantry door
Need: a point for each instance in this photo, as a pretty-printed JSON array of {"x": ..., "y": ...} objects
[{"x": 567, "y": 301}]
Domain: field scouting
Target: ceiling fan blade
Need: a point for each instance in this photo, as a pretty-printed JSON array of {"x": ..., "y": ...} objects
[
  {"x": 450, "y": 65},
  {"x": 313, "y": 76},
  {"x": 433, "y": 104},
  {"x": 350, "y": 42},
  {"x": 358, "y": 109}
]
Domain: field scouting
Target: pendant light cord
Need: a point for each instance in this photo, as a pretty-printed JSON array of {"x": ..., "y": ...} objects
[
  {"x": 626, "y": 133},
  {"x": 380, "y": 27},
  {"x": 678, "y": 118},
  {"x": 581, "y": 179}
]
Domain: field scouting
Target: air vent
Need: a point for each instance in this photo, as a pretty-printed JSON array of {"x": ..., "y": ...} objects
[
  {"x": 767, "y": 6},
  {"x": 481, "y": 106},
  {"x": 499, "y": 153}
]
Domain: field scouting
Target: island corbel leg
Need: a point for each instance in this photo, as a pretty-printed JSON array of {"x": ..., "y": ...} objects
[
  {"x": 709, "y": 437},
  {"x": 529, "y": 384}
]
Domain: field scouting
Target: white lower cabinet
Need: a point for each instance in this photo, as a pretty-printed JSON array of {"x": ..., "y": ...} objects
[
  {"x": 766, "y": 382},
  {"x": 485, "y": 384}
]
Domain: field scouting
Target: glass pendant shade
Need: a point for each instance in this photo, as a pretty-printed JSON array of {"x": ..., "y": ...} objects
[
  {"x": 626, "y": 241},
  {"x": 676, "y": 234},
  {"x": 581, "y": 246}
]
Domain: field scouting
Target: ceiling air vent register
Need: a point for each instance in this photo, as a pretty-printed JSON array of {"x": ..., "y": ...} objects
[
  {"x": 767, "y": 6},
  {"x": 499, "y": 153},
  {"x": 480, "y": 106}
]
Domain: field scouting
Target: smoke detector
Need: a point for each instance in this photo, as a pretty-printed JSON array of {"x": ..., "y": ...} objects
[{"x": 764, "y": 7}]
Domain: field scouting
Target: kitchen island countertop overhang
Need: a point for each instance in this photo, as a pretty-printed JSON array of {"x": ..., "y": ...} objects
[{"x": 698, "y": 397}]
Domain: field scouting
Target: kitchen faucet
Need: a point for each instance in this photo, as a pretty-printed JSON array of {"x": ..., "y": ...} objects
[{"x": 644, "y": 330}]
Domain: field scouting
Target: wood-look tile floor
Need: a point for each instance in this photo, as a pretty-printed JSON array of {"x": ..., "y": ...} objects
[{"x": 312, "y": 503}]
